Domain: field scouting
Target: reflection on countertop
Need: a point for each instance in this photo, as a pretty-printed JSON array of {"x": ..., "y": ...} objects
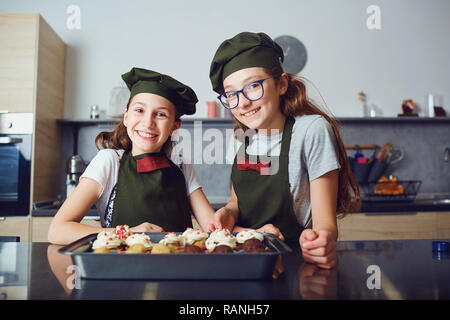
[{"x": 373, "y": 270}]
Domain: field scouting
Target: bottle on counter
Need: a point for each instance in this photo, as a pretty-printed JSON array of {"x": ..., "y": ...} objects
[{"x": 95, "y": 112}]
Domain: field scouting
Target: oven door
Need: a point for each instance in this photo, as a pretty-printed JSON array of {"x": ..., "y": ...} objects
[{"x": 15, "y": 174}]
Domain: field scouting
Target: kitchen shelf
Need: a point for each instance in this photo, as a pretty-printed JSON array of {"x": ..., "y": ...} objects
[
  {"x": 87, "y": 122},
  {"x": 399, "y": 120}
]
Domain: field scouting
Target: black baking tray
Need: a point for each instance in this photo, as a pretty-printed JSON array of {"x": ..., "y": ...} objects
[{"x": 180, "y": 266}]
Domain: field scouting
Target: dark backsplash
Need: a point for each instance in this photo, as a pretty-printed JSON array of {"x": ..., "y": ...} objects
[{"x": 422, "y": 140}]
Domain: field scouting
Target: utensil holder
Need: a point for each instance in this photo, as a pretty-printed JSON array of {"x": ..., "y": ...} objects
[
  {"x": 376, "y": 170},
  {"x": 361, "y": 171}
]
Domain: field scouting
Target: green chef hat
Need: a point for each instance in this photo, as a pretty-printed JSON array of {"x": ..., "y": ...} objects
[
  {"x": 245, "y": 50},
  {"x": 140, "y": 80}
]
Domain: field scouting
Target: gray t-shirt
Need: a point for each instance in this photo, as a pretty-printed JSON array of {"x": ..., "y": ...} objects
[{"x": 313, "y": 152}]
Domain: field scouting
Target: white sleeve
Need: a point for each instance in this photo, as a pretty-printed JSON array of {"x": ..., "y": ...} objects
[
  {"x": 190, "y": 176},
  {"x": 103, "y": 167},
  {"x": 192, "y": 182},
  {"x": 321, "y": 149}
]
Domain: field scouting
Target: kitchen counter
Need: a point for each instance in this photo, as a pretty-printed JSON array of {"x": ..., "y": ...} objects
[
  {"x": 401, "y": 269},
  {"x": 420, "y": 204}
]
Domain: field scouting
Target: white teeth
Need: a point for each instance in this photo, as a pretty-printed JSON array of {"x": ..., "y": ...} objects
[
  {"x": 250, "y": 113},
  {"x": 146, "y": 135}
]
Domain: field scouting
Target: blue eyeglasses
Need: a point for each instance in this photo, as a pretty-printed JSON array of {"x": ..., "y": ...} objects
[{"x": 252, "y": 91}]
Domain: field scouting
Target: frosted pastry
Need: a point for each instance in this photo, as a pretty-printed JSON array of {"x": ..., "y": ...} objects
[
  {"x": 139, "y": 238},
  {"x": 220, "y": 237},
  {"x": 102, "y": 250},
  {"x": 195, "y": 237},
  {"x": 222, "y": 249},
  {"x": 192, "y": 249},
  {"x": 160, "y": 248},
  {"x": 247, "y": 234},
  {"x": 106, "y": 239},
  {"x": 122, "y": 232},
  {"x": 253, "y": 245},
  {"x": 172, "y": 240},
  {"x": 137, "y": 248}
]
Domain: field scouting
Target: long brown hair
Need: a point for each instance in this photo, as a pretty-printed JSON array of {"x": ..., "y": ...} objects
[
  {"x": 119, "y": 139},
  {"x": 295, "y": 102}
]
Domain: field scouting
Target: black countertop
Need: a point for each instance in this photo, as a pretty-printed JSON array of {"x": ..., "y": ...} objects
[{"x": 406, "y": 269}]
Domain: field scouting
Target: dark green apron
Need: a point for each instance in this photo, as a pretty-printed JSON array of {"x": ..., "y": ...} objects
[
  {"x": 266, "y": 199},
  {"x": 158, "y": 197}
]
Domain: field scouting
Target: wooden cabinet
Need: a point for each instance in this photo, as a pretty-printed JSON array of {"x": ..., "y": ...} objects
[
  {"x": 15, "y": 226},
  {"x": 32, "y": 68},
  {"x": 414, "y": 225},
  {"x": 40, "y": 225},
  {"x": 18, "y": 51}
]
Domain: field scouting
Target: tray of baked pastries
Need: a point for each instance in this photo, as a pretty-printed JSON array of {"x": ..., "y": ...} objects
[
  {"x": 192, "y": 254},
  {"x": 390, "y": 189}
]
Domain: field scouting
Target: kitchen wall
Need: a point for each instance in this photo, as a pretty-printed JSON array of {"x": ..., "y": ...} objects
[
  {"x": 406, "y": 58},
  {"x": 423, "y": 143}
]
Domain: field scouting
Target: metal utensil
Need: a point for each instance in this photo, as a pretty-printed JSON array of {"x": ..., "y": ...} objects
[{"x": 395, "y": 156}]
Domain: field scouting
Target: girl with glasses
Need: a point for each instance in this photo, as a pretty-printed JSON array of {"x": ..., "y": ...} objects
[{"x": 290, "y": 172}]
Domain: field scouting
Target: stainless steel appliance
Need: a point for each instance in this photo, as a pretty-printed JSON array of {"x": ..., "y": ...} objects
[
  {"x": 74, "y": 168},
  {"x": 16, "y": 136}
]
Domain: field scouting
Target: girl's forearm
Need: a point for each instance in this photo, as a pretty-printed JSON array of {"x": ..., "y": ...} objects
[
  {"x": 203, "y": 212},
  {"x": 233, "y": 208},
  {"x": 66, "y": 232},
  {"x": 327, "y": 226}
]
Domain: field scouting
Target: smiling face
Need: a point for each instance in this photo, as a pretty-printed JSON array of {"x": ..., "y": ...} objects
[
  {"x": 150, "y": 121},
  {"x": 264, "y": 113}
]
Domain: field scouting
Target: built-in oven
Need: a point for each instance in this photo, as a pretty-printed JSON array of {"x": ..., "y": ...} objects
[{"x": 16, "y": 140}]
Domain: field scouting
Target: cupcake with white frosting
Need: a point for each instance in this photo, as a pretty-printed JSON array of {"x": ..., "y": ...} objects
[
  {"x": 247, "y": 234},
  {"x": 250, "y": 241},
  {"x": 172, "y": 240},
  {"x": 220, "y": 238},
  {"x": 138, "y": 243},
  {"x": 195, "y": 237},
  {"x": 105, "y": 239}
]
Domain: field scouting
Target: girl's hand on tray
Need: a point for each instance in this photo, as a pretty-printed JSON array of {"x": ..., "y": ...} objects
[
  {"x": 319, "y": 247},
  {"x": 222, "y": 219},
  {"x": 147, "y": 227},
  {"x": 270, "y": 228}
]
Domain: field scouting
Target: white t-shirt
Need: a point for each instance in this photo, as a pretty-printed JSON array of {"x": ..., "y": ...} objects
[
  {"x": 312, "y": 153},
  {"x": 104, "y": 168}
]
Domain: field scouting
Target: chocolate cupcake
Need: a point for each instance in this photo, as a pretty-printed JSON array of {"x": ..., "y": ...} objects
[
  {"x": 223, "y": 248},
  {"x": 253, "y": 245},
  {"x": 250, "y": 240},
  {"x": 192, "y": 249}
]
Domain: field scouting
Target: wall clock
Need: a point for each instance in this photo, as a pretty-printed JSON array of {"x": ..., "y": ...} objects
[{"x": 294, "y": 53}]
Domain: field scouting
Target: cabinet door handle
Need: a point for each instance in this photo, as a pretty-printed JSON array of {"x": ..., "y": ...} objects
[{"x": 9, "y": 140}]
